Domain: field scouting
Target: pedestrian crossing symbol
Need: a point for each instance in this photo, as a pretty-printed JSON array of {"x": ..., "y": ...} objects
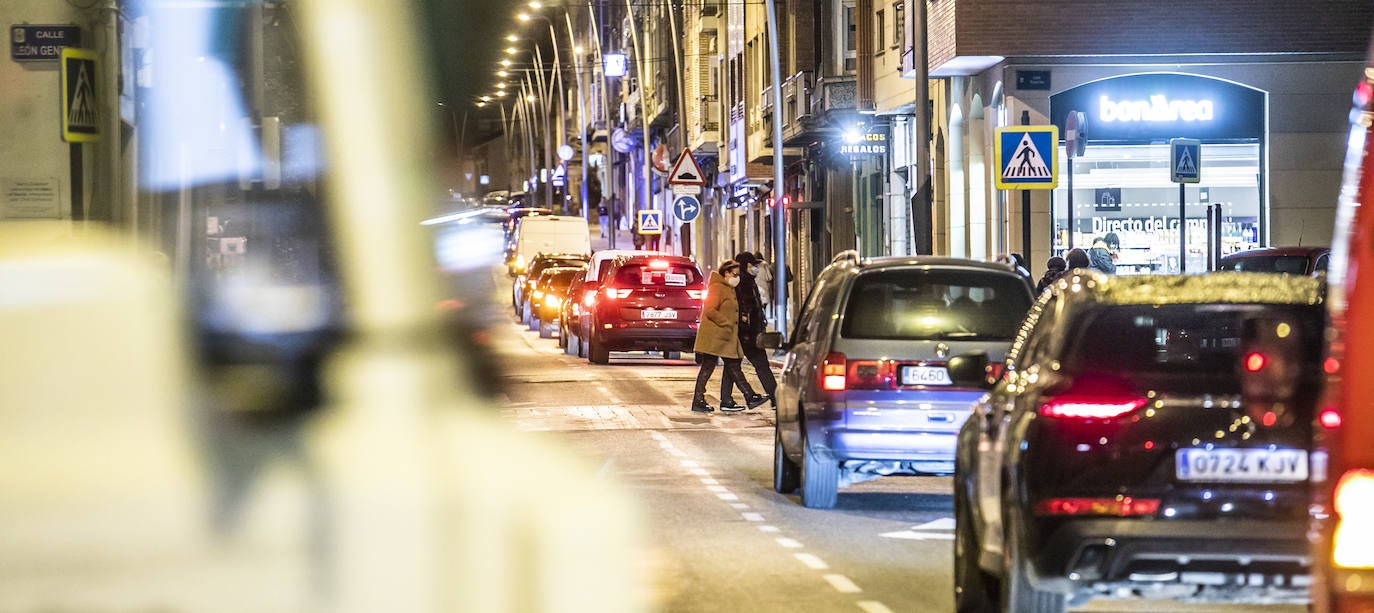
[
  {"x": 1027, "y": 157},
  {"x": 650, "y": 222},
  {"x": 1185, "y": 160},
  {"x": 80, "y": 119}
]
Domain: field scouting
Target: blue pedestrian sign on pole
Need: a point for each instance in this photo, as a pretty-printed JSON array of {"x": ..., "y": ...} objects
[
  {"x": 1027, "y": 157},
  {"x": 1185, "y": 160},
  {"x": 650, "y": 222},
  {"x": 686, "y": 207}
]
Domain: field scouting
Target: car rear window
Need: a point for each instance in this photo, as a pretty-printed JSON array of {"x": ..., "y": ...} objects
[
  {"x": 1170, "y": 345},
  {"x": 647, "y": 274},
  {"x": 935, "y": 304},
  {"x": 561, "y": 279},
  {"x": 1291, "y": 264}
]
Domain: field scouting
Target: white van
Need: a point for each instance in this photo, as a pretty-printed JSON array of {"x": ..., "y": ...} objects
[{"x": 549, "y": 234}]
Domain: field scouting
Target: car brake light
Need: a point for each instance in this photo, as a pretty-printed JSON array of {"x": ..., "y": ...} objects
[
  {"x": 1352, "y": 542},
  {"x": 1120, "y": 506},
  {"x": 659, "y": 264},
  {"x": 832, "y": 372},
  {"x": 1330, "y": 418},
  {"x": 589, "y": 298},
  {"x": 553, "y": 302},
  {"x": 1093, "y": 398},
  {"x": 1255, "y": 361},
  {"x": 614, "y": 293},
  {"x": 871, "y": 374},
  {"x": 697, "y": 294}
]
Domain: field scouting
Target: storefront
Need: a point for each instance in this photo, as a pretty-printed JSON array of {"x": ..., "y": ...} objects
[{"x": 1121, "y": 183}]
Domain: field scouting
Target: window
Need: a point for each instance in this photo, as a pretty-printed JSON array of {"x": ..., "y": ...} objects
[
  {"x": 898, "y": 24},
  {"x": 880, "y": 32},
  {"x": 935, "y": 304},
  {"x": 851, "y": 39}
]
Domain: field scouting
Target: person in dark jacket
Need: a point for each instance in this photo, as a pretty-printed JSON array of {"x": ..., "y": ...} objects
[
  {"x": 718, "y": 337},
  {"x": 1077, "y": 258},
  {"x": 751, "y": 323},
  {"x": 1054, "y": 268},
  {"x": 1101, "y": 258}
]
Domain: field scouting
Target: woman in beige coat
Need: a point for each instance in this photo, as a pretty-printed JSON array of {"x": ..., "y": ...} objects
[{"x": 718, "y": 336}]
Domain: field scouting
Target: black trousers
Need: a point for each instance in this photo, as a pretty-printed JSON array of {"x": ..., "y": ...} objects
[
  {"x": 708, "y": 367},
  {"x": 758, "y": 358}
]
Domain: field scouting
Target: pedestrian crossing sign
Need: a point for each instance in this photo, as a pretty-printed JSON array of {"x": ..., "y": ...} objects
[
  {"x": 80, "y": 104},
  {"x": 1185, "y": 160},
  {"x": 1027, "y": 157},
  {"x": 650, "y": 222}
]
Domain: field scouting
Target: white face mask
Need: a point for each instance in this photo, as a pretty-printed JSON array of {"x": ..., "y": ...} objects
[{"x": 732, "y": 281}]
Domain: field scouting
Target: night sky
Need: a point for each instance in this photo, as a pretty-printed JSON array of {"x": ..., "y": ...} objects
[{"x": 465, "y": 38}]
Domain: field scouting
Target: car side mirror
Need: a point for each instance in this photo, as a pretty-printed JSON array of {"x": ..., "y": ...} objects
[
  {"x": 970, "y": 370},
  {"x": 769, "y": 340}
]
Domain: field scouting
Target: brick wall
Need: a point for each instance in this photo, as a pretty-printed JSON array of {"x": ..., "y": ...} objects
[{"x": 1146, "y": 27}]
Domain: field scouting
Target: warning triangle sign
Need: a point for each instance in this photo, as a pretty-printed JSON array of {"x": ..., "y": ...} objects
[
  {"x": 685, "y": 171},
  {"x": 1186, "y": 166},
  {"x": 1026, "y": 161}
]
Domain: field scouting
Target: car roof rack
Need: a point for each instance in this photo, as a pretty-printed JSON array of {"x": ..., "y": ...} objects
[{"x": 848, "y": 255}]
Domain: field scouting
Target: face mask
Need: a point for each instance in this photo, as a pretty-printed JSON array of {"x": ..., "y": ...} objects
[{"x": 732, "y": 281}]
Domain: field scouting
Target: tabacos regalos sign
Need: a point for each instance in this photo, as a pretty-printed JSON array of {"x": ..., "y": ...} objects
[{"x": 1156, "y": 107}]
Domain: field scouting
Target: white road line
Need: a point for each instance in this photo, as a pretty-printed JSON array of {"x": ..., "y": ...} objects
[
  {"x": 701, "y": 472},
  {"x": 658, "y": 436},
  {"x": 716, "y": 488},
  {"x": 811, "y": 561},
  {"x": 841, "y": 584},
  {"x": 769, "y": 528},
  {"x": 739, "y": 505},
  {"x": 727, "y": 496},
  {"x": 789, "y": 543},
  {"x": 709, "y": 481},
  {"x": 873, "y": 606},
  {"x": 751, "y": 516},
  {"x": 677, "y": 453}
]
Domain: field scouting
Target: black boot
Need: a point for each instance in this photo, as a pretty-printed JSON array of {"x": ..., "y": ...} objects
[
  {"x": 729, "y": 405},
  {"x": 755, "y": 400},
  {"x": 701, "y": 406}
]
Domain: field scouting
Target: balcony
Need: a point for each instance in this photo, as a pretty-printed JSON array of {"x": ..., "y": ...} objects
[
  {"x": 836, "y": 94},
  {"x": 703, "y": 134}
]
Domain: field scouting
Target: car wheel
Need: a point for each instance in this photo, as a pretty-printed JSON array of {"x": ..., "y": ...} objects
[
  {"x": 545, "y": 330},
  {"x": 820, "y": 479},
  {"x": 974, "y": 590},
  {"x": 786, "y": 475},
  {"x": 533, "y": 320},
  {"x": 597, "y": 352},
  {"x": 672, "y": 355},
  {"x": 563, "y": 338},
  {"x": 581, "y": 345},
  {"x": 525, "y": 312},
  {"x": 1017, "y": 592}
]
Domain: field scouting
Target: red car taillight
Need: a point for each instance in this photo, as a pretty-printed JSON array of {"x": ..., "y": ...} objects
[
  {"x": 1352, "y": 541},
  {"x": 1121, "y": 506},
  {"x": 697, "y": 294},
  {"x": 871, "y": 374},
  {"x": 615, "y": 293},
  {"x": 1093, "y": 399},
  {"x": 589, "y": 298},
  {"x": 833, "y": 372}
]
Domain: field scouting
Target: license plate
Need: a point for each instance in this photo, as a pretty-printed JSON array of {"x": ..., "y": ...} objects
[
  {"x": 1241, "y": 465},
  {"x": 925, "y": 375},
  {"x": 658, "y": 314}
]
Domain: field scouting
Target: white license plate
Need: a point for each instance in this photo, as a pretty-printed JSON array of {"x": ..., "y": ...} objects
[
  {"x": 925, "y": 375},
  {"x": 658, "y": 314},
  {"x": 1241, "y": 465}
]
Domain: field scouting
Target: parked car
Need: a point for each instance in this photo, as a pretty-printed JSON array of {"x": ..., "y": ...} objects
[
  {"x": 597, "y": 267},
  {"x": 645, "y": 303},
  {"x": 1290, "y": 260},
  {"x": 524, "y": 282},
  {"x": 1147, "y": 436},
  {"x": 1343, "y": 507},
  {"x": 570, "y": 314},
  {"x": 864, "y": 390},
  {"x": 547, "y": 299}
]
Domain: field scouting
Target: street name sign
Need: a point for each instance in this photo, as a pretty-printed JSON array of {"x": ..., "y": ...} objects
[{"x": 42, "y": 42}]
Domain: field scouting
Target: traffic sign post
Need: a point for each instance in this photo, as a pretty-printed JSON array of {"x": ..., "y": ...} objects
[
  {"x": 1185, "y": 166},
  {"x": 1075, "y": 141},
  {"x": 686, "y": 207}
]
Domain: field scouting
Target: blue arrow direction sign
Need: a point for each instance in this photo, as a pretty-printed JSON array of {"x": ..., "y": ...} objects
[
  {"x": 650, "y": 222},
  {"x": 686, "y": 207},
  {"x": 1027, "y": 157},
  {"x": 1185, "y": 160}
]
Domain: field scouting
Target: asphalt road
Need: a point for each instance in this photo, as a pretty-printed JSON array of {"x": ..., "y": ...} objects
[{"x": 721, "y": 538}]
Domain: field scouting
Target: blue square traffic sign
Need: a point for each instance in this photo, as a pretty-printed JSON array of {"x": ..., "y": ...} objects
[
  {"x": 1027, "y": 157},
  {"x": 1185, "y": 160}
]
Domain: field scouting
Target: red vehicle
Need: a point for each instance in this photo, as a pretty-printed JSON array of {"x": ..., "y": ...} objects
[
  {"x": 1343, "y": 512},
  {"x": 645, "y": 303}
]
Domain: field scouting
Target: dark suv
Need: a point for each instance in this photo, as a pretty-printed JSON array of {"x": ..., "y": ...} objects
[
  {"x": 645, "y": 303},
  {"x": 1148, "y": 436},
  {"x": 864, "y": 391}
]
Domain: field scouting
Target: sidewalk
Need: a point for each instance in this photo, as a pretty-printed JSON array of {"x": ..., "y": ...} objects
[{"x": 624, "y": 239}]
